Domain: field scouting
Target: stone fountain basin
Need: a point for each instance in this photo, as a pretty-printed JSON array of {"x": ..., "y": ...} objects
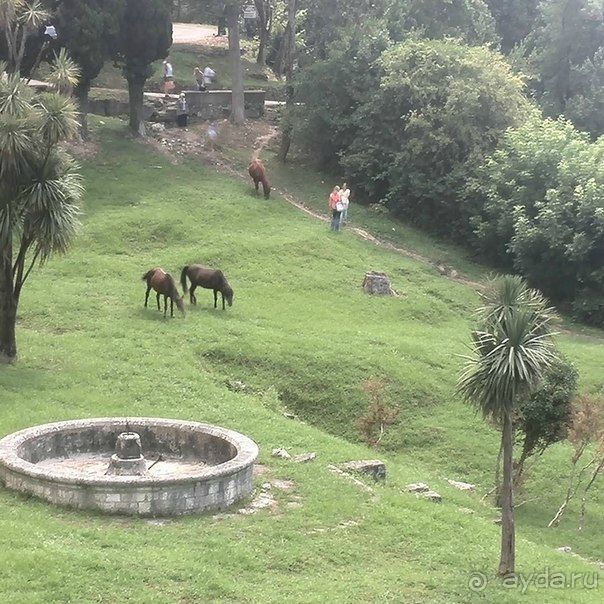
[{"x": 205, "y": 467}]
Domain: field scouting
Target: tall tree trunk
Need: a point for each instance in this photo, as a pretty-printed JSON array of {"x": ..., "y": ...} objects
[
  {"x": 135, "y": 98},
  {"x": 290, "y": 57},
  {"x": 237, "y": 97},
  {"x": 8, "y": 306},
  {"x": 265, "y": 19},
  {"x": 508, "y": 537},
  {"x": 81, "y": 92}
]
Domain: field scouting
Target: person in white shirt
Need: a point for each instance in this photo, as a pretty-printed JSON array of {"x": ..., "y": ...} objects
[
  {"x": 168, "y": 77},
  {"x": 344, "y": 199},
  {"x": 208, "y": 76}
]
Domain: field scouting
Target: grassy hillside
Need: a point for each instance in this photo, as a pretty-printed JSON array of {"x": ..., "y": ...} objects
[{"x": 302, "y": 336}]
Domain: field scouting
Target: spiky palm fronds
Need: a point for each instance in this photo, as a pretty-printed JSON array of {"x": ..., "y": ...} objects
[
  {"x": 511, "y": 348},
  {"x": 57, "y": 117},
  {"x": 65, "y": 73}
]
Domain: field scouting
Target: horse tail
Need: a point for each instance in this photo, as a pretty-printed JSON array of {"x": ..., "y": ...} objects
[
  {"x": 183, "y": 278},
  {"x": 147, "y": 274}
]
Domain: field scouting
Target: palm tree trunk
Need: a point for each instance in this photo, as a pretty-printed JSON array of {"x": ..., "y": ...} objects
[
  {"x": 8, "y": 306},
  {"x": 135, "y": 97},
  {"x": 508, "y": 537},
  {"x": 237, "y": 96}
]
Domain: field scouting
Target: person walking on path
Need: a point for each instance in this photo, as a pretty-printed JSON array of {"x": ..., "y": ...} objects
[
  {"x": 336, "y": 208},
  {"x": 208, "y": 77},
  {"x": 168, "y": 77},
  {"x": 344, "y": 199},
  {"x": 198, "y": 75}
]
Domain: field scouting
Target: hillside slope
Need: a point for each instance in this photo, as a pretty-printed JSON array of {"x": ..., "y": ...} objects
[{"x": 301, "y": 335}]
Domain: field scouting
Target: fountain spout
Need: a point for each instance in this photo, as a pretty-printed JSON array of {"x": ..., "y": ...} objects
[{"x": 128, "y": 459}]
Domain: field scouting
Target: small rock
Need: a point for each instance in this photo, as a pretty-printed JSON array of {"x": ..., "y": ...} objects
[
  {"x": 283, "y": 485},
  {"x": 289, "y": 415},
  {"x": 441, "y": 269},
  {"x": 432, "y": 496},
  {"x": 454, "y": 274},
  {"x": 373, "y": 467},
  {"x": 466, "y": 511},
  {"x": 418, "y": 487},
  {"x": 565, "y": 549},
  {"x": 462, "y": 486},
  {"x": 293, "y": 504},
  {"x": 281, "y": 453},
  {"x": 304, "y": 457},
  {"x": 376, "y": 283},
  {"x": 266, "y": 486},
  {"x": 497, "y": 520}
]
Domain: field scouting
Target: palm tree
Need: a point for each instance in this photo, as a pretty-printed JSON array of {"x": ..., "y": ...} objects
[
  {"x": 512, "y": 348},
  {"x": 40, "y": 189}
]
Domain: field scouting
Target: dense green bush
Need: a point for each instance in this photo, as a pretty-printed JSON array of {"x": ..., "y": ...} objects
[
  {"x": 331, "y": 92},
  {"x": 541, "y": 197},
  {"x": 544, "y": 418},
  {"x": 439, "y": 108}
]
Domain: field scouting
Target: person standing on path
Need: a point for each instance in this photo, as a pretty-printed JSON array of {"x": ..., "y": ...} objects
[
  {"x": 168, "y": 77},
  {"x": 198, "y": 75},
  {"x": 344, "y": 199},
  {"x": 336, "y": 208},
  {"x": 208, "y": 77}
]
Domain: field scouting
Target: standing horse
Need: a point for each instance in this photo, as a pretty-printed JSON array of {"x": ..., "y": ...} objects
[
  {"x": 163, "y": 283},
  {"x": 207, "y": 278},
  {"x": 257, "y": 171}
]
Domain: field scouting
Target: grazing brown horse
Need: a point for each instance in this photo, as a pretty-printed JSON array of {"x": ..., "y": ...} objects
[
  {"x": 207, "y": 278},
  {"x": 258, "y": 173},
  {"x": 163, "y": 283}
]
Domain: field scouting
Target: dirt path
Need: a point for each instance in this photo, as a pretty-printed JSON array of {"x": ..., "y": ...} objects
[{"x": 194, "y": 34}]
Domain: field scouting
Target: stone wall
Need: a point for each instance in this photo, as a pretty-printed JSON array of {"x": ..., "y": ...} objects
[
  {"x": 209, "y": 105},
  {"x": 216, "y": 104}
]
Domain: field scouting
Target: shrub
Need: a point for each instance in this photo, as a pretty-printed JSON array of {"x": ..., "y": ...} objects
[
  {"x": 379, "y": 415},
  {"x": 440, "y": 107}
]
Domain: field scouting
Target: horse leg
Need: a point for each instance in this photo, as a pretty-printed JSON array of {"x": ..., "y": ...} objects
[
  {"x": 192, "y": 294},
  {"x": 215, "y": 298},
  {"x": 157, "y": 298},
  {"x": 222, "y": 294},
  {"x": 256, "y": 183},
  {"x": 165, "y": 305},
  {"x": 171, "y": 307},
  {"x": 147, "y": 296}
]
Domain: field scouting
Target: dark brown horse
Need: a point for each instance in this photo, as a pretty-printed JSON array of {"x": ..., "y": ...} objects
[
  {"x": 207, "y": 278},
  {"x": 163, "y": 283},
  {"x": 258, "y": 173}
]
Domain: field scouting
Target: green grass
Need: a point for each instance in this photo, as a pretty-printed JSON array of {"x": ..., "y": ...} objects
[{"x": 303, "y": 337}]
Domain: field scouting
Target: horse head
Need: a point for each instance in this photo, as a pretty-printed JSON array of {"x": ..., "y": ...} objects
[{"x": 227, "y": 292}]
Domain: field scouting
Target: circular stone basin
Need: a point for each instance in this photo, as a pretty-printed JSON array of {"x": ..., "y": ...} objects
[{"x": 201, "y": 467}]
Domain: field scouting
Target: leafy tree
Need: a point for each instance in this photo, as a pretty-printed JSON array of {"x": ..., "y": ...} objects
[
  {"x": 330, "y": 93},
  {"x": 289, "y": 46},
  {"x": 542, "y": 212},
  {"x": 512, "y": 349},
  {"x": 514, "y": 19},
  {"x": 439, "y": 108},
  {"x": 89, "y": 30},
  {"x": 40, "y": 189},
  {"x": 517, "y": 174},
  {"x": 468, "y": 20},
  {"x": 570, "y": 33},
  {"x": 145, "y": 35},
  {"x": 585, "y": 107},
  {"x": 545, "y": 416}
]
